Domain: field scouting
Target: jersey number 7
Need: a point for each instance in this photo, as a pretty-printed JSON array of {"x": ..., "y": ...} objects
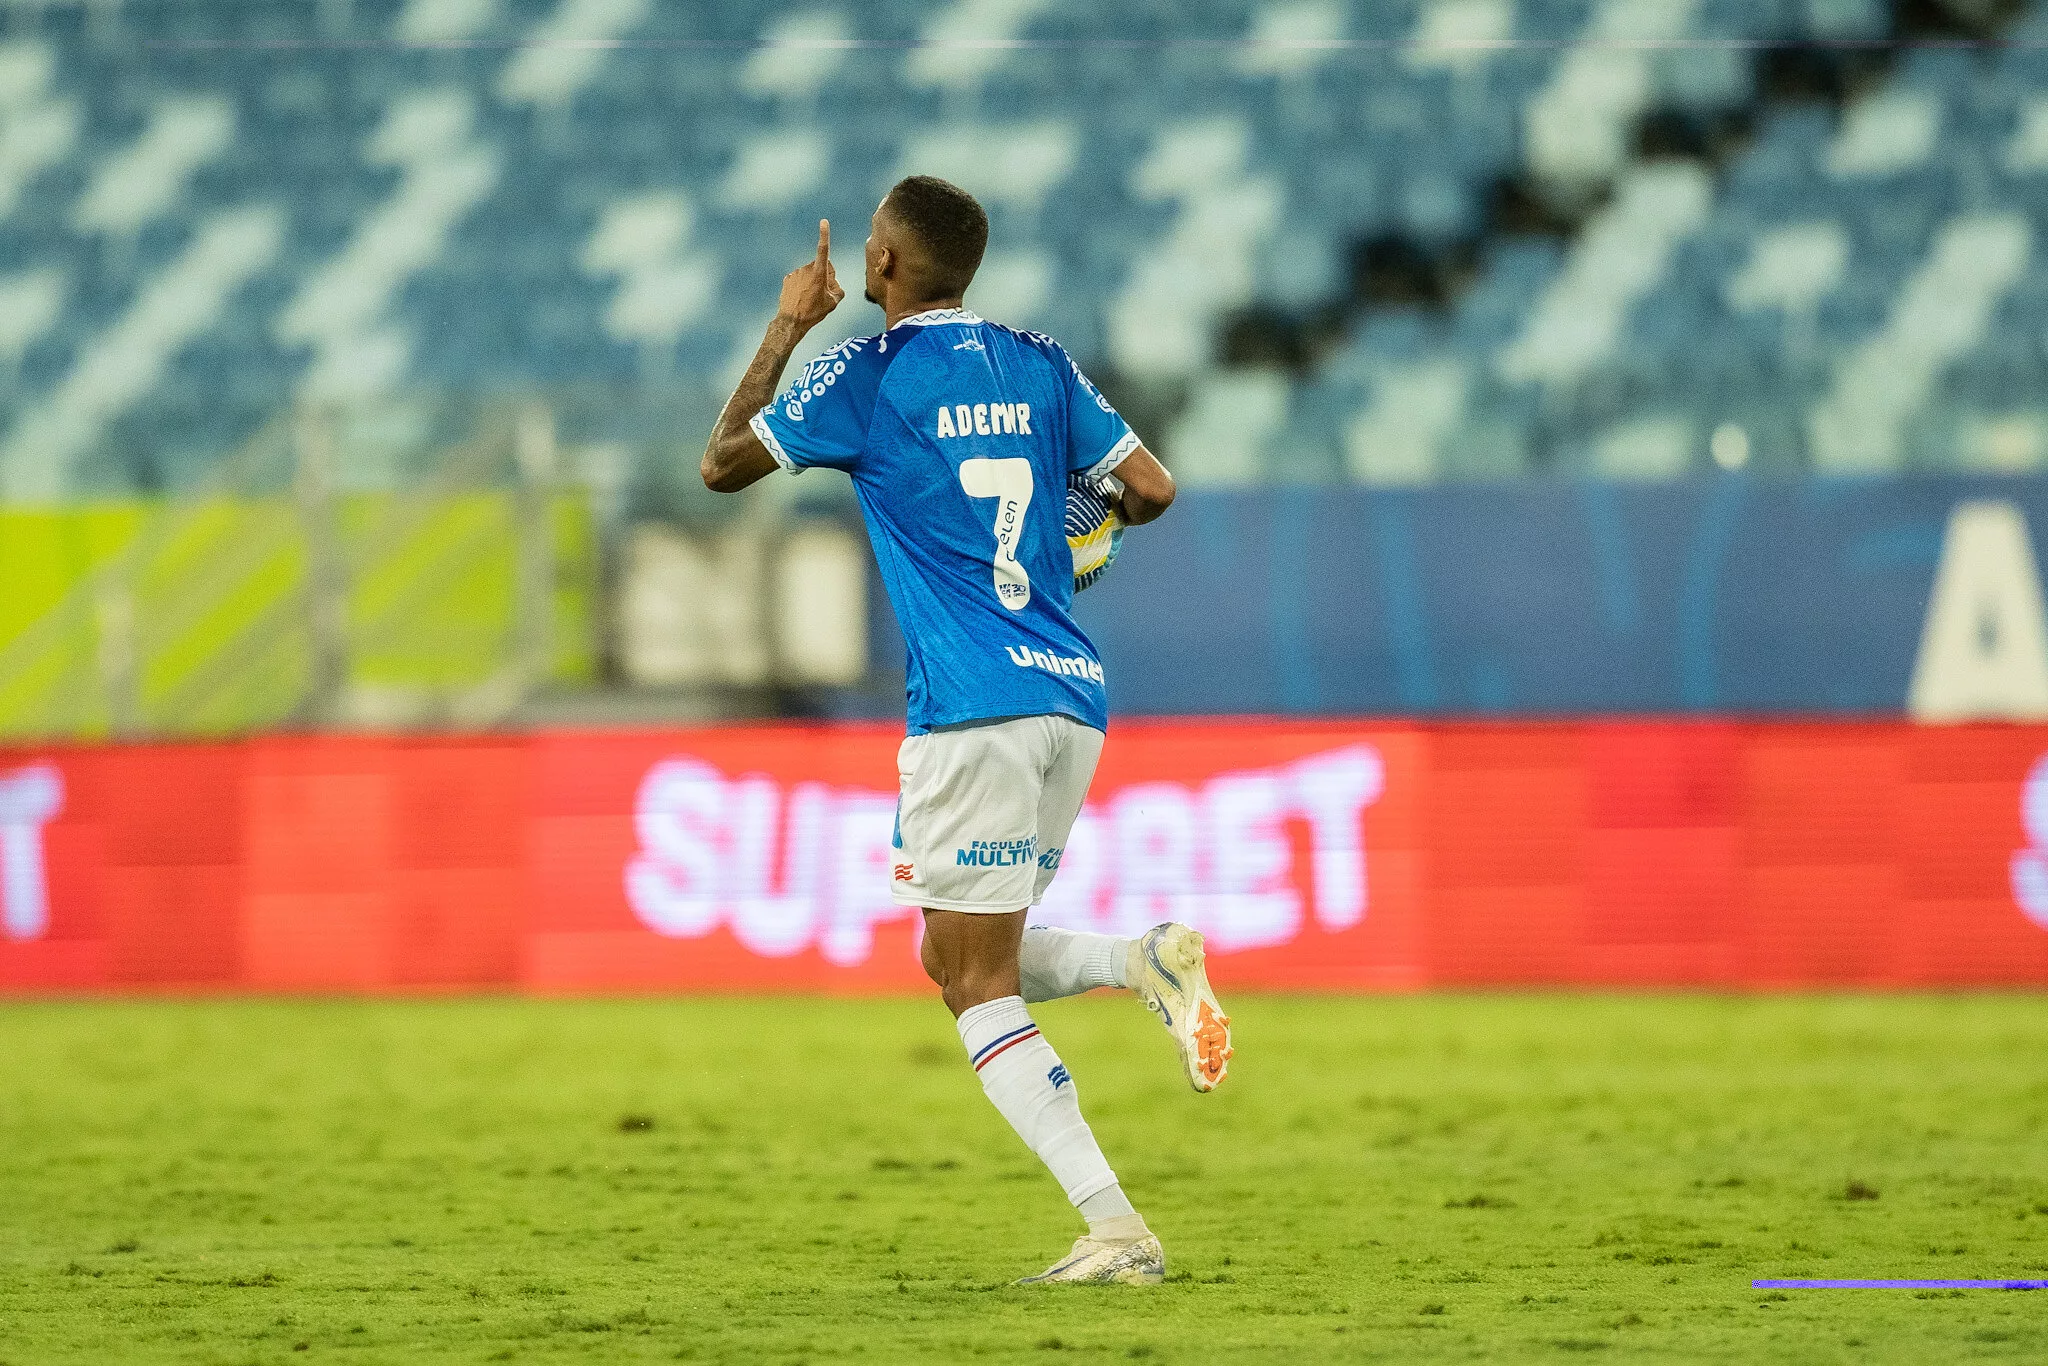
[{"x": 1009, "y": 483}]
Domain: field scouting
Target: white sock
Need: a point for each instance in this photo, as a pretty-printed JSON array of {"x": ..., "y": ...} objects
[
  {"x": 1055, "y": 963},
  {"x": 1026, "y": 1081},
  {"x": 1111, "y": 1218},
  {"x": 1122, "y": 1228}
]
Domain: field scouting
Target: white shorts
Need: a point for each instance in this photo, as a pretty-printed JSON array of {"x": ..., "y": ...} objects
[{"x": 983, "y": 811}]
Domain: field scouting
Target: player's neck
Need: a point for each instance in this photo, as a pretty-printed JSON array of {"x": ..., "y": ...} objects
[{"x": 896, "y": 313}]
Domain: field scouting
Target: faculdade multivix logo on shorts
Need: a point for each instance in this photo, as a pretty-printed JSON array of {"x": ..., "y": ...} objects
[
  {"x": 790, "y": 867},
  {"x": 997, "y": 853}
]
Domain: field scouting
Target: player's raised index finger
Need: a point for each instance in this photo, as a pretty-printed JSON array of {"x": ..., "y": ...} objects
[{"x": 825, "y": 239}]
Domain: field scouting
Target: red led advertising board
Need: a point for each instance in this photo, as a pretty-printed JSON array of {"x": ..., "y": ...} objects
[{"x": 1325, "y": 856}]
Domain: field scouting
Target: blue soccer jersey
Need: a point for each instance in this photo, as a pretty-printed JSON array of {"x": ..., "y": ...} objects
[{"x": 960, "y": 435}]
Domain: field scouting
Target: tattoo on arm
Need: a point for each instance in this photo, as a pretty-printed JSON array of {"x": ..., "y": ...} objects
[{"x": 736, "y": 457}]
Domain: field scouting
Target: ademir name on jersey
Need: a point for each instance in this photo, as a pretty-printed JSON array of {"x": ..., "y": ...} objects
[
  {"x": 985, "y": 419},
  {"x": 1077, "y": 666}
]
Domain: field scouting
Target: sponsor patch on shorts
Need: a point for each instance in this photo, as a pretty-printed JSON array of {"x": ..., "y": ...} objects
[{"x": 1008, "y": 853}]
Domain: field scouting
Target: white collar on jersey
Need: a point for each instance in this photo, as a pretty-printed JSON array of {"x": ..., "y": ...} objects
[{"x": 939, "y": 315}]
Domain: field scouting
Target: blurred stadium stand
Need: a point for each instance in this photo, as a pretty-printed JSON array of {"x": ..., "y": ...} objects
[{"x": 1382, "y": 243}]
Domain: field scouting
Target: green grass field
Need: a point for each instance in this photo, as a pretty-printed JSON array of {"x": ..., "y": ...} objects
[{"x": 1433, "y": 1178}]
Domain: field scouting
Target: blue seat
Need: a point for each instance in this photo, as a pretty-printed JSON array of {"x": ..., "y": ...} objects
[
  {"x": 1363, "y": 144},
  {"x": 1845, "y": 19}
]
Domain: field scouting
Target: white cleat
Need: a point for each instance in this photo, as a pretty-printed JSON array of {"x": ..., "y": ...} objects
[
  {"x": 1138, "y": 1262},
  {"x": 1166, "y": 970}
]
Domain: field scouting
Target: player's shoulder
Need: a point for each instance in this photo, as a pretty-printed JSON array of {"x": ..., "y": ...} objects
[
  {"x": 851, "y": 359},
  {"x": 1034, "y": 341},
  {"x": 1040, "y": 345},
  {"x": 852, "y": 366},
  {"x": 855, "y": 353},
  {"x": 1062, "y": 361},
  {"x": 1049, "y": 347}
]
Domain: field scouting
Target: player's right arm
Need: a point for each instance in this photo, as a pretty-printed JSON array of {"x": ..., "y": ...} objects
[
  {"x": 1102, "y": 448},
  {"x": 736, "y": 456},
  {"x": 1148, "y": 487}
]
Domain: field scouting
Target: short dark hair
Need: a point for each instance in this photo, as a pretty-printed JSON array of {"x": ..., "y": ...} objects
[{"x": 948, "y": 223}]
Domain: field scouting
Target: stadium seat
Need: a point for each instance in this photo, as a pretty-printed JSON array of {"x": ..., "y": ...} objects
[{"x": 467, "y": 216}]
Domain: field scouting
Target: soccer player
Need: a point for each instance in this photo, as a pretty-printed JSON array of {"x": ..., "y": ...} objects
[{"x": 962, "y": 437}]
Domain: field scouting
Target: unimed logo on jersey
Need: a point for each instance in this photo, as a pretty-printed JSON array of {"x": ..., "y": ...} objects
[{"x": 792, "y": 867}]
